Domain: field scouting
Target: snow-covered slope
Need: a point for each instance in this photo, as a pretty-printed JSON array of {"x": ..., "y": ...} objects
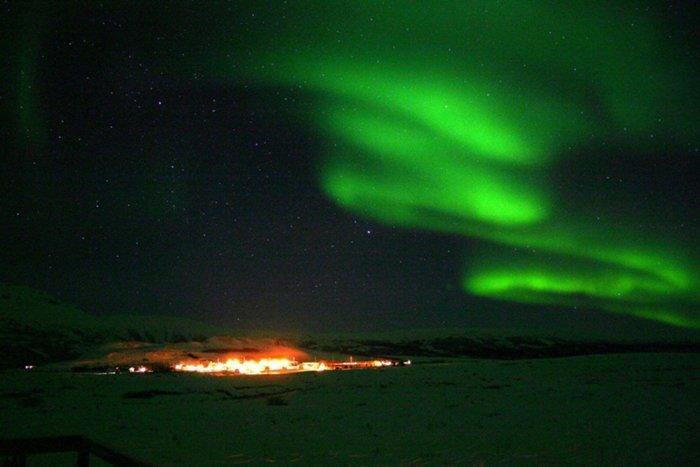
[
  {"x": 36, "y": 309},
  {"x": 37, "y": 328}
]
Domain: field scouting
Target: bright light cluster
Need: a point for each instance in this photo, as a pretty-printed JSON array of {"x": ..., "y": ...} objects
[
  {"x": 278, "y": 365},
  {"x": 251, "y": 367}
]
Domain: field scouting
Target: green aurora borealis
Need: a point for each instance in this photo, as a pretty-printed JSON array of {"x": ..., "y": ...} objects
[
  {"x": 455, "y": 119},
  {"x": 458, "y": 118}
]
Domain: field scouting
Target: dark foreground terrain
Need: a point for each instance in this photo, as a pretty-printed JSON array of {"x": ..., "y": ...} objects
[{"x": 631, "y": 409}]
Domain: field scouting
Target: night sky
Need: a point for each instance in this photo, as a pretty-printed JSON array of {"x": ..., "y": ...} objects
[{"x": 355, "y": 166}]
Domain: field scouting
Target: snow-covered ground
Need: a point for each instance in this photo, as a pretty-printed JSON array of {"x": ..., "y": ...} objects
[{"x": 633, "y": 409}]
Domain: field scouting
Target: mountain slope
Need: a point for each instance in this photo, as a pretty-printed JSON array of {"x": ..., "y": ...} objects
[{"x": 37, "y": 328}]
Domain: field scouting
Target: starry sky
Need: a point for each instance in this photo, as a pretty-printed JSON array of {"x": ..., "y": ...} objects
[{"x": 330, "y": 166}]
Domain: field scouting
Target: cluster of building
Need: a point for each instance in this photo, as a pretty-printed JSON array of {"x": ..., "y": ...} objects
[{"x": 280, "y": 365}]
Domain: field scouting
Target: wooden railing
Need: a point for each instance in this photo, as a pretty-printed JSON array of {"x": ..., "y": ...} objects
[{"x": 14, "y": 452}]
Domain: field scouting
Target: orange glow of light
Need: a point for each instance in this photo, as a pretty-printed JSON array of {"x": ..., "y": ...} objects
[
  {"x": 251, "y": 367},
  {"x": 277, "y": 365}
]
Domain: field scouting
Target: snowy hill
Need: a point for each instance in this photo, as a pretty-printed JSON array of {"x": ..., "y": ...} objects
[{"x": 37, "y": 328}]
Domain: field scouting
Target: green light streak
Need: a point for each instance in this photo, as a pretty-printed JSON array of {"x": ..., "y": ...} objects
[
  {"x": 453, "y": 120},
  {"x": 481, "y": 119},
  {"x": 450, "y": 181}
]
